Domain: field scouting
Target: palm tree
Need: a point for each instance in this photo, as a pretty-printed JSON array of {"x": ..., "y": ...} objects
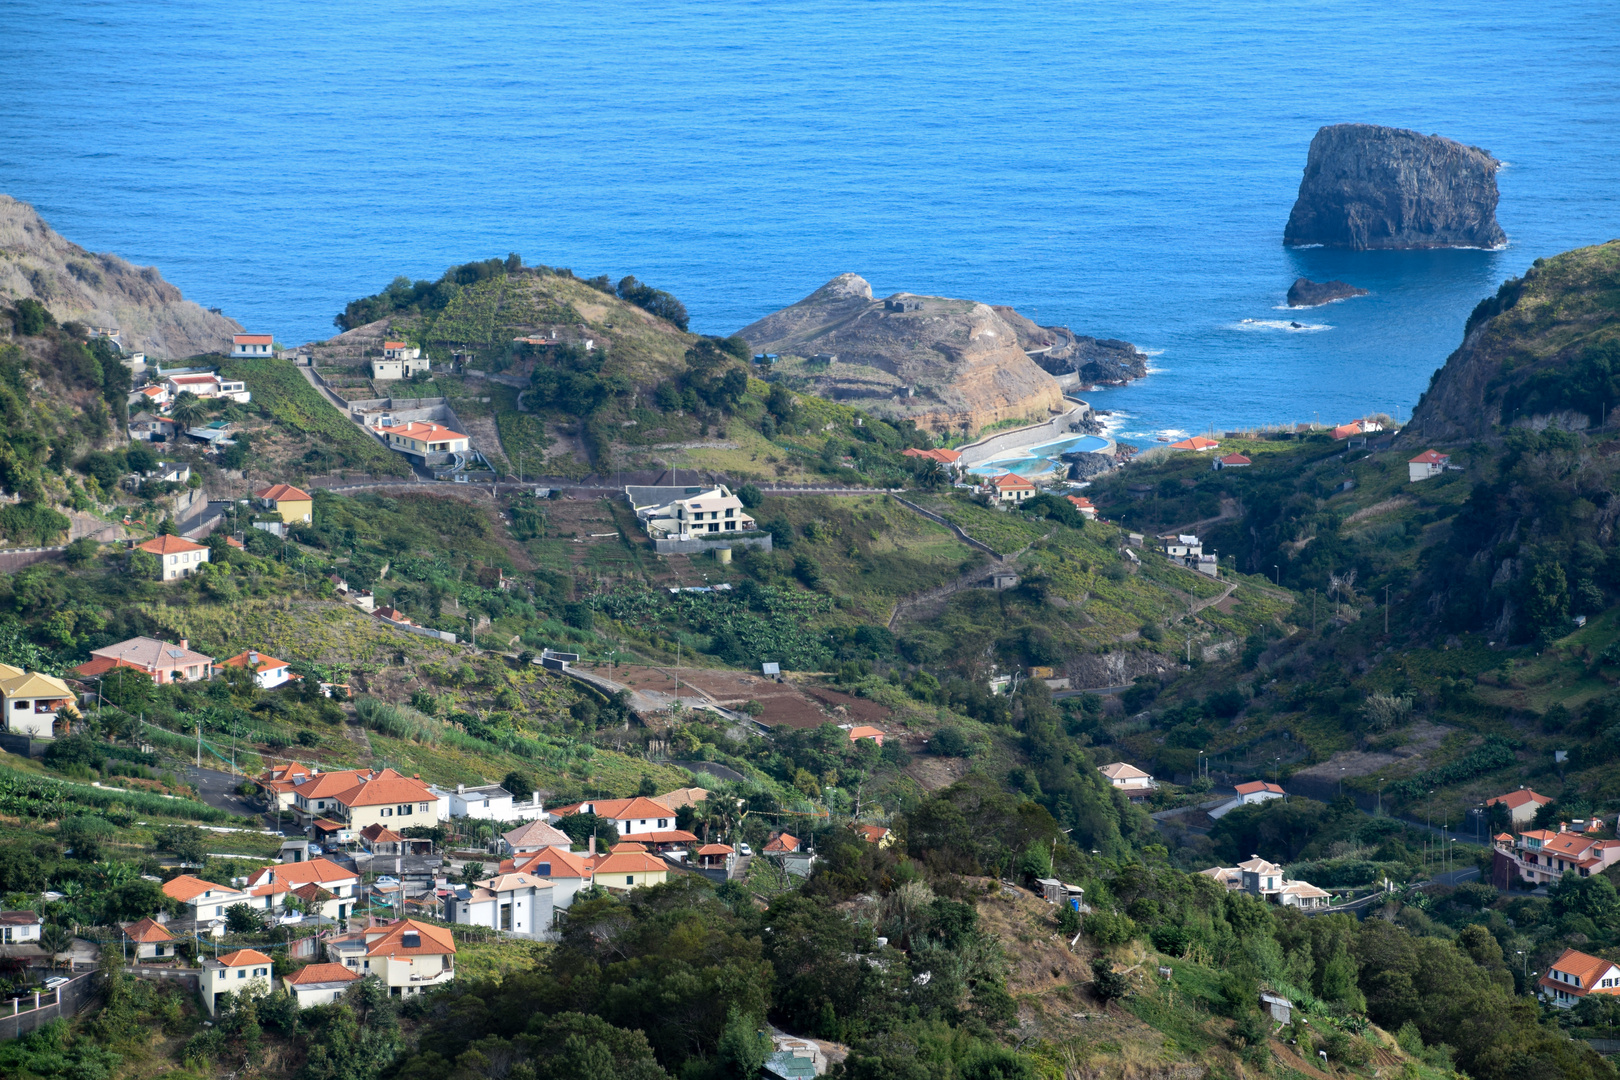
[
  {"x": 55, "y": 940},
  {"x": 188, "y": 408}
]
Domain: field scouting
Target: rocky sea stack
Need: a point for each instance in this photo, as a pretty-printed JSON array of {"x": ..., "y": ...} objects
[
  {"x": 1307, "y": 293},
  {"x": 1369, "y": 187}
]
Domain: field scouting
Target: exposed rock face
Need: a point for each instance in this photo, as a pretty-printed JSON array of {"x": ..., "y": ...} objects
[
  {"x": 1307, "y": 293},
  {"x": 1059, "y": 350},
  {"x": 1534, "y": 355},
  {"x": 102, "y": 290},
  {"x": 1378, "y": 187},
  {"x": 948, "y": 365}
]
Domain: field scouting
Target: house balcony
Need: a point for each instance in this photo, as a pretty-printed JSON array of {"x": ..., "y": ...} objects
[{"x": 436, "y": 979}]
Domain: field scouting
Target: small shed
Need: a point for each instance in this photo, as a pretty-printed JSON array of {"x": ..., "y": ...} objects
[{"x": 1281, "y": 1009}]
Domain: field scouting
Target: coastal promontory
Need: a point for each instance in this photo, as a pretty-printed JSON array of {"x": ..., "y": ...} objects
[
  {"x": 103, "y": 291},
  {"x": 946, "y": 364},
  {"x": 1307, "y": 293},
  {"x": 1370, "y": 187}
]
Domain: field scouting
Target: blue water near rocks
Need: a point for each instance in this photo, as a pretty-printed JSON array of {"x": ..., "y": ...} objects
[
  {"x": 1124, "y": 168},
  {"x": 1042, "y": 457}
]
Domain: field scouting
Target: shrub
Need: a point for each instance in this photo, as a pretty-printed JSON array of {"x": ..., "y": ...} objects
[
  {"x": 950, "y": 742},
  {"x": 1106, "y": 983},
  {"x": 1107, "y": 928}
]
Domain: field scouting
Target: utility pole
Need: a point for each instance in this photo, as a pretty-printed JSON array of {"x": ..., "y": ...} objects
[
  {"x": 1386, "y": 611},
  {"x": 1313, "y": 611}
]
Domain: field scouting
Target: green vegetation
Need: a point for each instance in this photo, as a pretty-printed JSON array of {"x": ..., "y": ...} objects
[{"x": 334, "y": 443}]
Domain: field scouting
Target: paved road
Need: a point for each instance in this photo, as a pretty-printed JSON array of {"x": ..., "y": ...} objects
[{"x": 218, "y": 789}]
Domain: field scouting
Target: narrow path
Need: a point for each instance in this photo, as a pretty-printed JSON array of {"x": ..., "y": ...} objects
[{"x": 1230, "y": 510}]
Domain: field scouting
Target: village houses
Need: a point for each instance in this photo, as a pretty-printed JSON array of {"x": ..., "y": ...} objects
[
  {"x": 1266, "y": 880},
  {"x": 535, "y": 836},
  {"x": 1543, "y": 857},
  {"x": 514, "y": 903},
  {"x": 1010, "y": 489},
  {"x": 268, "y": 672},
  {"x": 177, "y": 557},
  {"x": 1521, "y": 805},
  {"x": 1248, "y": 794},
  {"x": 164, "y": 662},
  {"x": 491, "y": 802},
  {"x": 19, "y": 927},
  {"x": 206, "y": 901},
  {"x": 342, "y": 883},
  {"x": 398, "y": 361},
  {"x": 410, "y": 957},
  {"x": 291, "y": 504},
  {"x": 1231, "y": 461},
  {"x": 31, "y": 701},
  {"x": 1133, "y": 782},
  {"x": 244, "y": 969},
  {"x": 1427, "y": 464},
  {"x": 319, "y": 984},
  {"x": 645, "y": 819},
  {"x": 252, "y": 346},
  {"x": 566, "y": 871},
  {"x": 1574, "y": 975},
  {"x": 697, "y": 510},
  {"x": 1197, "y": 444},
  {"x": 429, "y": 443},
  {"x": 149, "y": 939},
  {"x": 206, "y": 384}
]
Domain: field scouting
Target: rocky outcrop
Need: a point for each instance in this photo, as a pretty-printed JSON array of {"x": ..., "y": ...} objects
[
  {"x": 1537, "y": 354},
  {"x": 947, "y": 365},
  {"x": 102, "y": 290},
  {"x": 1307, "y": 293},
  {"x": 1059, "y": 351},
  {"x": 1379, "y": 187}
]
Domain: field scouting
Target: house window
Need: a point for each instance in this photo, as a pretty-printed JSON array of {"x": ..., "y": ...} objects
[
  {"x": 405, "y": 810},
  {"x": 388, "y": 811},
  {"x": 629, "y": 879},
  {"x": 422, "y": 807},
  {"x": 241, "y": 974}
]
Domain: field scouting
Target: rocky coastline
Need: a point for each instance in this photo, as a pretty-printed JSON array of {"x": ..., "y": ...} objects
[
  {"x": 1307, "y": 293},
  {"x": 1369, "y": 187}
]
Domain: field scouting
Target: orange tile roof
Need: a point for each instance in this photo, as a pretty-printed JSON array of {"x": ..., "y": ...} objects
[
  {"x": 386, "y": 787},
  {"x": 393, "y": 344},
  {"x": 1254, "y": 786},
  {"x": 629, "y": 845},
  {"x": 329, "y": 784},
  {"x": 1430, "y": 457},
  {"x": 100, "y": 665},
  {"x": 1235, "y": 459},
  {"x": 147, "y": 931},
  {"x": 1081, "y": 502},
  {"x": 1011, "y": 481},
  {"x": 235, "y": 543},
  {"x": 872, "y": 833},
  {"x": 289, "y": 771},
  {"x": 170, "y": 545},
  {"x": 856, "y": 734},
  {"x": 1588, "y": 969},
  {"x": 282, "y": 492},
  {"x": 435, "y": 941},
  {"x": 253, "y": 339},
  {"x": 418, "y": 429},
  {"x": 186, "y": 888},
  {"x": 379, "y": 834},
  {"x": 630, "y": 862},
  {"x": 1515, "y": 799},
  {"x": 1197, "y": 442},
  {"x": 266, "y": 663},
  {"x": 312, "y": 893},
  {"x": 783, "y": 843},
  {"x": 243, "y": 958},
  {"x": 302, "y": 873},
  {"x": 322, "y": 973},
  {"x": 715, "y": 849},
  {"x": 564, "y": 863},
  {"x": 638, "y": 808}
]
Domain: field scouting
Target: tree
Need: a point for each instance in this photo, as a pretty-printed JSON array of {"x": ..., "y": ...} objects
[
  {"x": 144, "y": 566},
  {"x": 241, "y": 919},
  {"x": 55, "y": 939},
  {"x": 520, "y": 786},
  {"x": 86, "y": 835},
  {"x": 30, "y": 318},
  {"x": 471, "y": 872},
  {"x": 184, "y": 841},
  {"x": 1106, "y": 983},
  {"x": 81, "y": 551},
  {"x": 646, "y": 789},
  {"x": 188, "y": 408},
  {"x": 750, "y": 496}
]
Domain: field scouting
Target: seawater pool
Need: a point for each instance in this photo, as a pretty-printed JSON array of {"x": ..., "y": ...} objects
[{"x": 1040, "y": 458}]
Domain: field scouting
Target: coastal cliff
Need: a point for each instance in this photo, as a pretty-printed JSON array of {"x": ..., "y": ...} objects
[
  {"x": 1543, "y": 352},
  {"x": 947, "y": 365},
  {"x": 102, "y": 290},
  {"x": 1059, "y": 351},
  {"x": 1368, "y": 187}
]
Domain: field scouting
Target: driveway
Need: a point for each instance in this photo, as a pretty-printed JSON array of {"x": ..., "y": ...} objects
[{"x": 218, "y": 789}]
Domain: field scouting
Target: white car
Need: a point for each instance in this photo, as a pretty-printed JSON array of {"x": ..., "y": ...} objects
[
  {"x": 744, "y": 849},
  {"x": 291, "y": 918},
  {"x": 387, "y": 880},
  {"x": 56, "y": 981}
]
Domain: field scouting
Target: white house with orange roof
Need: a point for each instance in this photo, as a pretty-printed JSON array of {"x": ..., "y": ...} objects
[
  {"x": 1197, "y": 444},
  {"x": 1575, "y": 975},
  {"x": 862, "y": 731},
  {"x": 319, "y": 984},
  {"x": 177, "y": 557},
  {"x": 207, "y": 384},
  {"x": 1128, "y": 779},
  {"x": 1087, "y": 508},
  {"x": 1521, "y": 805},
  {"x": 244, "y": 969},
  {"x": 1231, "y": 461},
  {"x": 280, "y": 782},
  {"x": 428, "y": 442},
  {"x": 1010, "y": 488},
  {"x": 151, "y": 939},
  {"x": 273, "y": 882},
  {"x": 252, "y": 346},
  {"x": 388, "y": 798},
  {"x": 567, "y": 871},
  {"x": 1249, "y": 794},
  {"x": 622, "y": 871},
  {"x": 1427, "y": 464},
  {"x": 150, "y": 397},
  {"x": 1543, "y": 857},
  {"x": 515, "y": 903},
  {"x": 410, "y": 957},
  {"x": 205, "y": 901},
  {"x": 315, "y": 796},
  {"x": 1266, "y": 880},
  {"x": 647, "y": 820},
  {"x": 268, "y": 672}
]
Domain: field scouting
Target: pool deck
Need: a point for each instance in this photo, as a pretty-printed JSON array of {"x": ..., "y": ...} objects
[{"x": 976, "y": 455}]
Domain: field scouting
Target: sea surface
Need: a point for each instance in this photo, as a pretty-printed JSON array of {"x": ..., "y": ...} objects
[{"x": 1122, "y": 168}]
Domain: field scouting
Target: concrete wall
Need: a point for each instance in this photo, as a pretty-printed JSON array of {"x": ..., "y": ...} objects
[
  {"x": 700, "y": 547},
  {"x": 73, "y": 997},
  {"x": 424, "y": 631},
  {"x": 12, "y": 561},
  {"x": 22, "y": 745}
]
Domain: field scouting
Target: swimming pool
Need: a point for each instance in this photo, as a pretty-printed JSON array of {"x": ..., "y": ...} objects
[{"x": 1042, "y": 457}]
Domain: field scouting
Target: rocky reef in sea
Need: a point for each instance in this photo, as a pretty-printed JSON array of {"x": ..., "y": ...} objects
[
  {"x": 1368, "y": 187},
  {"x": 1307, "y": 293}
]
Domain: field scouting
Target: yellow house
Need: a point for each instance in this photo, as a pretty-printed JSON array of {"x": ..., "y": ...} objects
[
  {"x": 410, "y": 957},
  {"x": 233, "y": 973},
  {"x": 284, "y": 499},
  {"x": 31, "y": 700},
  {"x": 390, "y": 799},
  {"x": 624, "y": 870}
]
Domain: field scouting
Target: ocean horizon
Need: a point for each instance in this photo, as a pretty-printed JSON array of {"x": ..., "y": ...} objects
[{"x": 1125, "y": 170}]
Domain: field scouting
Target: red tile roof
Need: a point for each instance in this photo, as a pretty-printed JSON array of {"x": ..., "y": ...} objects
[
  {"x": 630, "y": 862},
  {"x": 1235, "y": 459},
  {"x": 1515, "y": 799},
  {"x": 253, "y": 339},
  {"x": 147, "y": 931},
  {"x": 318, "y": 871},
  {"x": 386, "y": 787},
  {"x": 1011, "y": 482},
  {"x": 782, "y": 844},
  {"x": 436, "y": 941},
  {"x": 1430, "y": 457},
  {"x": 564, "y": 864},
  {"x": 100, "y": 665},
  {"x": 1254, "y": 786},
  {"x": 715, "y": 849},
  {"x": 322, "y": 973},
  {"x": 186, "y": 888},
  {"x": 872, "y": 833},
  {"x": 244, "y": 958},
  {"x": 170, "y": 545},
  {"x": 266, "y": 663},
  {"x": 1588, "y": 969},
  {"x": 426, "y": 432},
  {"x": 1197, "y": 442},
  {"x": 639, "y": 808},
  {"x": 282, "y": 492}
]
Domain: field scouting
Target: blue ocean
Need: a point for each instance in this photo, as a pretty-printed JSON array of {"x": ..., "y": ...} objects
[{"x": 1122, "y": 168}]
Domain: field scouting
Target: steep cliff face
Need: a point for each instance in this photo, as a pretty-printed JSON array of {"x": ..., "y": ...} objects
[
  {"x": 1543, "y": 352},
  {"x": 1059, "y": 351},
  {"x": 946, "y": 364},
  {"x": 102, "y": 290},
  {"x": 1378, "y": 187}
]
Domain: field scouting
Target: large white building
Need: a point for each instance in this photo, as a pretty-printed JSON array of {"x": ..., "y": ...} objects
[
  {"x": 515, "y": 903},
  {"x": 491, "y": 802},
  {"x": 695, "y": 512},
  {"x": 398, "y": 361}
]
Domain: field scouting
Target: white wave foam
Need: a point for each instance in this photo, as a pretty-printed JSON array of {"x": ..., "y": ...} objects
[
  {"x": 1151, "y": 352},
  {"x": 1279, "y": 324}
]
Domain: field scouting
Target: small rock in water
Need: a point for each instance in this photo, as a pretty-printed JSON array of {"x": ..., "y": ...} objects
[{"x": 1307, "y": 293}]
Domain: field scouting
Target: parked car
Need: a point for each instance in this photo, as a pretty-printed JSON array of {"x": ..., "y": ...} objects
[
  {"x": 744, "y": 849},
  {"x": 56, "y": 982}
]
